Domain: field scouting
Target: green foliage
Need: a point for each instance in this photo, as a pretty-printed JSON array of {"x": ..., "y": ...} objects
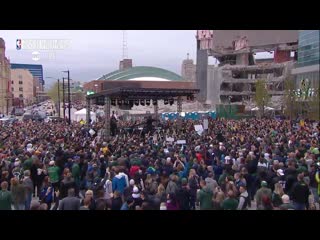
[
  {"x": 314, "y": 112},
  {"x": 53, "y": 92},
  {"x": 262, "y": 98},
  {"x": 290, "y": 98}
]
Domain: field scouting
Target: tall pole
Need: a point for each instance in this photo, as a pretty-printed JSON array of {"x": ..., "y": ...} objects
[
  {"x": 69, "y": 99},
  {"x": 7, "y": 105},
  {"x": 63, "y": 100},
  {"x": 58, "y": 97}
]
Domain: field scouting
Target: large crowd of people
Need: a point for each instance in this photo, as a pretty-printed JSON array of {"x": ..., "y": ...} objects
[{"x": 262, "y": 164}]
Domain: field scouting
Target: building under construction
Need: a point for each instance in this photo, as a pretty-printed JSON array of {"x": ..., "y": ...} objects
[{"x": 233, "y": 80}]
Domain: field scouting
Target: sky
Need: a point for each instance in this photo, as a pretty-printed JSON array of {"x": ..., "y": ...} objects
[{"x": 90, "y": 54}]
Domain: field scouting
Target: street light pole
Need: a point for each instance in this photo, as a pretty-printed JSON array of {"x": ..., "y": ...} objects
[
  {"x": 59, "y": 97},
  {"x": 69, "y": 95},
  {"x": 63, "y": 100},
  {"x": 59, "y": 107},
  {"x": 230, "y": 97}
]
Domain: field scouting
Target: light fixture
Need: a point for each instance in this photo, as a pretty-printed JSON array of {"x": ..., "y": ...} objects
[
  {"x": 171, "y": 101},
  {"x": 142, "y": 102},
  {"x": 154, "y": 102},
  {"x": 136, "y": 102},
  {"x": 148, "y": 102},
  {"x": 165, "y": 101}
]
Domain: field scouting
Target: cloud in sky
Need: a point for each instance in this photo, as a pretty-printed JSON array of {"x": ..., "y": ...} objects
[{"x": 93, "y": 53}]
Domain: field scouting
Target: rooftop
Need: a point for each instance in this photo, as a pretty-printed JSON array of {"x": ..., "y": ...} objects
[{"x": 142, "y": 73}]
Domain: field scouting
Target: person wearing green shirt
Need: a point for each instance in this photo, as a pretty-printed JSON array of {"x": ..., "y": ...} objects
[
  {"x": 205, "y": 196},
  {"x": 5, "y": 197},
  {"x": 27, "y": 164},
  {"x": 230, "y": 203},
  {"x": 53, "y": 172}
]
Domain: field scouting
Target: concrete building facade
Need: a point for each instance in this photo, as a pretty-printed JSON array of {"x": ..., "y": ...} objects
[
  {"x": 308, "y": 63},
  {"x": 5, "y": 81},
  {"x": 233, "y": 81},
  {"x": 22, "y": 85},
  {"x": 188, "y": 70}
]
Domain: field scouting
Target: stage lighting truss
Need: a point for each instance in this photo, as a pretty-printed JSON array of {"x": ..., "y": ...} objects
[
  {"x": 190, "y": 97},
  {"x": 154, "y": 102},
  {"x": 120, "y": 102}
]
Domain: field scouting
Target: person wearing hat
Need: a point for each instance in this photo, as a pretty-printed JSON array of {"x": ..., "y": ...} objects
[
  {"x": 75, "y": 169},
  {"x": 263, "y": 191},
  {"x": 136, "y": 197}
]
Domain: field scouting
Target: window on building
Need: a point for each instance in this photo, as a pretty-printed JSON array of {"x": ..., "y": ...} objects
[
  {"x": 20, "y": 82},
  {"x": 12, "y": 89},
  {"x": 20, "y": 89},
  {"x": 11, "y": 82},
  {"x": 21, "y": 95}
]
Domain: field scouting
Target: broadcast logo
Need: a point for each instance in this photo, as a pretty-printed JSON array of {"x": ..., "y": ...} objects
[{"x": 18, "y": 44}]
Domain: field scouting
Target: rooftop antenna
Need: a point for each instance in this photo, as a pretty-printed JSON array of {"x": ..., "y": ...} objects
[
  {"x": 124, "y": 45},
  {"x": 187, "y": 56}
]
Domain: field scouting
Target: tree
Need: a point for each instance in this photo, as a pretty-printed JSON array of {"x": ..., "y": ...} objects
[
  {"x": 53, "y": 92},
  {"x": 289, "y": 98},
  {"x": 314, "y": 112},
  {"x": 262, "y": 98}
]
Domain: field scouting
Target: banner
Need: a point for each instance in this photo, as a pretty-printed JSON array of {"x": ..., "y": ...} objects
[
  {"x": 198, "y": 128},
  {"x": 205, "y": 124}
]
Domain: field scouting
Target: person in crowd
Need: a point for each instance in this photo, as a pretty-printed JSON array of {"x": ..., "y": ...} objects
[
  {"x": 286, "y": 203},
  {"x": 70, "y": 202},
  {"x": 86, "y": 203},
  {"x": 172, "y": 203},
  {"x": 28, "y": 184},
  {"x": 300, "y": 193},
  {"x": 230, "y": 203},
  {"x": 205, "y": 196},
  {"x": 264, "y": 191},
  {"x": 19, "y": 194},
  {"x": 5, "y": 197},
  {"x": 245, "y": 156},
  {"x": 277, "y": 195},
  {"x": 244, "y": 198},
  {"x": 116, "y": 201}
]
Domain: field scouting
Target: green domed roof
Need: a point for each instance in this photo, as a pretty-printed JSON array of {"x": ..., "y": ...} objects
[{"x": 142, "y": 72}]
